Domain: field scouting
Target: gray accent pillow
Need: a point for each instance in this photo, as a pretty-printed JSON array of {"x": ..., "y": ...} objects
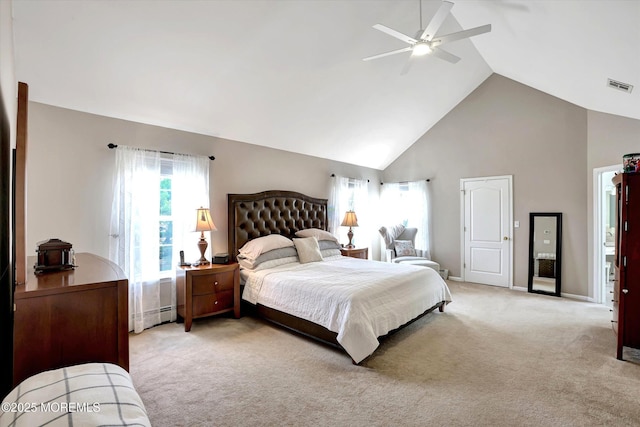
[
  {"x": 326, "y": 253},
  {"x": 286, "y": 252},
  {"x": 328, "y": 244}
]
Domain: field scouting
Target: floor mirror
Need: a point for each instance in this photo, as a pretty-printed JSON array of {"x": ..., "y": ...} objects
[{"x": 545, "y": 252}]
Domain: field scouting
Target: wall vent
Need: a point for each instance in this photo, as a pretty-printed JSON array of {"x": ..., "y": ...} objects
[{"x": 625, "y": 87}]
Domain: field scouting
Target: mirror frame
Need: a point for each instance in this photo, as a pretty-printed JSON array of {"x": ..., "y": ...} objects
[{"x": 558, "y": 216}]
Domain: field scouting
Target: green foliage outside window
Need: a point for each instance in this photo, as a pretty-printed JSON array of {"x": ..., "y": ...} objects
[{"x": 165, "y": 226}]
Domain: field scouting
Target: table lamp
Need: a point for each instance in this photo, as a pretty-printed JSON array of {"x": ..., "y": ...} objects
[
  {"x": 203, "y": 223},
  {"x": 350, "y": 220}
]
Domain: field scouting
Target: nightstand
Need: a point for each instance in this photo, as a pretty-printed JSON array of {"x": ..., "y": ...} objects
[
  {"x": 207, "y": 290},
  {"x": 355, "y": 252}
]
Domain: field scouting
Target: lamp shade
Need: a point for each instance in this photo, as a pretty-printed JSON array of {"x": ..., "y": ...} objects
[
  {"x": 204, "y": 221},
  {"x": 350, "y": 219}
]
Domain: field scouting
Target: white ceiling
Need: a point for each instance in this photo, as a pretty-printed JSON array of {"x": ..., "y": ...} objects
[{"x": 288, "y": 74}]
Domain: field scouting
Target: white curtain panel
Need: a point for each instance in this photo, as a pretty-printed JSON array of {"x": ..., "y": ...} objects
[
  {"x": 419, "y": 215},
  {"x": 350, "y": 194},
  {"x": 135, "y": 219},
  {"x": 134, "y": 245},
  {"x": 190, "y": 191}
]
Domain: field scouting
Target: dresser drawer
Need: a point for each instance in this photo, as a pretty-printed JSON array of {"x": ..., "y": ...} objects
[
  {"x": 206, "y": 304},
  {"x": 212, "y": 283}
]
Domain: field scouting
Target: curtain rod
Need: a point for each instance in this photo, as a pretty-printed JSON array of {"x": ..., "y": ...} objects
[
  {"x": 404, "y": 182},
  {"x": 333, "y": 175},
  {"x": 112, "y": 146}
]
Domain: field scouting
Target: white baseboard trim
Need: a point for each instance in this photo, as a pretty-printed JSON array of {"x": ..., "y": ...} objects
[
  {"x": 523, "y": 289},
  {"x": 563, "y": 294},
  {"x": 455, "y": 279},
  {"x": 578, "y": 297}
]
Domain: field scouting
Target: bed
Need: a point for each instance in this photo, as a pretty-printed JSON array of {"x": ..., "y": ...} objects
[
  {"x": 345, "y": 302},
  {"x": 89, "y": 394}
]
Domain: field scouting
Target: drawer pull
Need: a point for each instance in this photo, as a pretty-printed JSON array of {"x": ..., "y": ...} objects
[
  {"x": 216, "y": 302},
  {"x": 215, "y": 283},
  {"x": 625, "y": 291}
]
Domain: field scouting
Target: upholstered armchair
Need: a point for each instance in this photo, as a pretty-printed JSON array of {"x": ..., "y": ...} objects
[{"x": 400, "y": 247}]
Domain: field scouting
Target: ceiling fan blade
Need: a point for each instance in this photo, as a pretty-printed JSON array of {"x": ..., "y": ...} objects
[
  {"x": 393, "y": 33},
  {"x": 447, "y": 38},
  {"x": 443, "y": 54},
  {"x": 393, "y": 52},
  {"x": 436, "y": 21}
]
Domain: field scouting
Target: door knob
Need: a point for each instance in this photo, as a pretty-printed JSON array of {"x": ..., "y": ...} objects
[
  {"x": 506, "y": 238},
  {"x": 625, "y": 291}
]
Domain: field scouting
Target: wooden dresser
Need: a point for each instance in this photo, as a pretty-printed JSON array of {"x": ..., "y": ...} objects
[
  {"x": 207, "y": 290},
  {"x": 626, "y": 290},
  {"x": 68, "y": 317}
]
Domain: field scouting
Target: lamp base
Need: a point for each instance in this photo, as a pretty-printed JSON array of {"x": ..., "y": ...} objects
[
  {"x": 350, "y": 235},
  {"x": 202, "y": 245}
]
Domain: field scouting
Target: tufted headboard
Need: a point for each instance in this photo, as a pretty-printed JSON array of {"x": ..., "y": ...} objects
[{"x": 271, "y": 212}]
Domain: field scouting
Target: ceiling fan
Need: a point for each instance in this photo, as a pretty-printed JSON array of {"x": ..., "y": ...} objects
[{"x": 425, "y": 42}]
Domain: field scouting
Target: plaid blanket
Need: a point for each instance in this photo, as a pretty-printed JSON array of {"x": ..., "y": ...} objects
[{"x": 92, "y": 394}]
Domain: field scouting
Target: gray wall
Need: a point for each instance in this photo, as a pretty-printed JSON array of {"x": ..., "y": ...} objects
[
  {"x": 70, "y": 173},
  {"x": 506, "y": 128}
]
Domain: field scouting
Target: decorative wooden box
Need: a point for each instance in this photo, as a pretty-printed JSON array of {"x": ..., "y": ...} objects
[{"x": 54, "y": 255}]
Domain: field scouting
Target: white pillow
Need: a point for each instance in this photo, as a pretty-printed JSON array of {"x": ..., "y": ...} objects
[
  {"x": 318, "y": 234},
  {"x": 253, "y": 248},
  {"x": 308, "y": 249}
]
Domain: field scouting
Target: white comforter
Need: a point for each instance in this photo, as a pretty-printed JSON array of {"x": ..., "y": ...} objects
[{"x": 358, "y": 299}]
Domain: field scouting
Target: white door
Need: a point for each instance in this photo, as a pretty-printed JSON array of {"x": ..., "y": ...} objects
[{"x": 487, "y": 230}]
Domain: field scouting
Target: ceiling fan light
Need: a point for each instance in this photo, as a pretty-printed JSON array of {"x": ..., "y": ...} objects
[{"x": 421, "y": 49}]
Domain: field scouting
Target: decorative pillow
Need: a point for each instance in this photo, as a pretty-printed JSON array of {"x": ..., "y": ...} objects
[
  {"x": 275, "y": 263},
  {"x": 389, "y": 235},
  {"x": 318, "y": 234},
  {"x": 404, "y": 248},
  {"x": 329, "y": 244},
  {"x": 289, "y": 251},
  {"x": 308, "y": 249},
  {"x": 256, "y": 247},
  {"x": 326, "y": 253}
]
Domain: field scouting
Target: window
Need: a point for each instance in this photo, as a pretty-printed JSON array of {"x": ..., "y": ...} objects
[
  {"x": 152, "y": 220},
  {"x": 407, "y": 203},
  {"x": 349, "y": 194}
]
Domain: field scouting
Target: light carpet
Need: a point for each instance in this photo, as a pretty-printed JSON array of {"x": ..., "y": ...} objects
[{"x": 495, "y": 357}]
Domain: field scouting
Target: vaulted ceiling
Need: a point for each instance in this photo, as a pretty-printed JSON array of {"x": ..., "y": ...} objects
[{"x": 289, "y": 74}]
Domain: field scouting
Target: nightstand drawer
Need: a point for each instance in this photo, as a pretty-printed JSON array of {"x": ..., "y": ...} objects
[
  {"x": 205, "y": 304},
  {"x": 212, "y": 283}
]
